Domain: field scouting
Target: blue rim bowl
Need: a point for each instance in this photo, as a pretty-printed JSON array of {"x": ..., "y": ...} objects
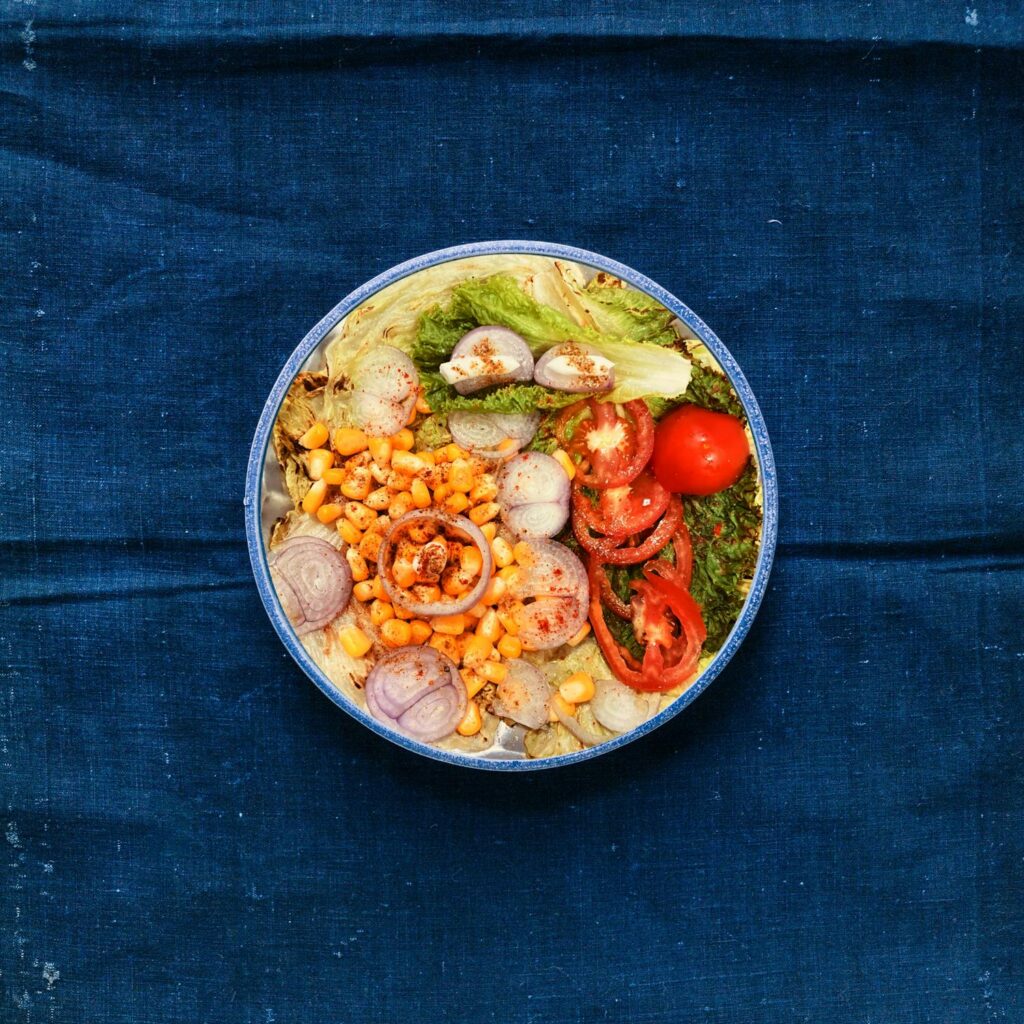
[{"x": 258, "y": 455}]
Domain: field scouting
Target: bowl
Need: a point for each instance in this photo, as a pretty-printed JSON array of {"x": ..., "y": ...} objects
[{"x": 265, "y": 498}]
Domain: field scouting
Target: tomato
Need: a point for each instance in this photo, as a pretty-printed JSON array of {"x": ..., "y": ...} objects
[
  {"x": 613, "y": 447},
  {"x": 697, "y": 451},
  {"x": 613, "y": 550},
  {"x": 660, "y": 607},
  {"x": 621, "y": 511}
]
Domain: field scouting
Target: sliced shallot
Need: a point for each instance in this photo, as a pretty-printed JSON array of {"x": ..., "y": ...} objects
[
  {"x": 523, "y": 696},
  {"x": 313, "y": 582},
  {"x": 584, "y": 735},
  {"x": 575, "y": 368},
  {"x": 531, "y": 479},
  {"x": 492, "y": 435},
  {"x": 486, "y": 356},
  {"x": 417, "y": 691},
  {"x": 620, "y": 708},
  {"x": 460, "y": 528},
  {"x": 384, "y": 385},
  {"x": 556, "y": 581}
]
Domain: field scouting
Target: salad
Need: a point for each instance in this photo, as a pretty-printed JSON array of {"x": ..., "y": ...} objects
[{"x": 526, "y": 510}]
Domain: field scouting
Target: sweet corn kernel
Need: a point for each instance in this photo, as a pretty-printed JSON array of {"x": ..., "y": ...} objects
[
  {"x": 319, "y": 461},
  {"x": 380, "y": 474},
  {"x": 502, "y": 552},
  {"x": 379, "y": 499},
  {"x": 563, "y": 459},
  {"x": 315, "y": 436},
  {"x": 475, "y": 682},
  {"x": 380, "y": 612},
  {"x": 356, "y": 562},
  {"x": 429, "y": 458},
  {"x": 485, "y": 489},
  {"x": 370, "y": 545},
  {"x": 471, "y": 721},
  {"x": 355, "y": 641},
  {"x": 404, "y": 574},
  {"x": 453, "y": 452},
  {"x": 403, "y": 440},
  {"x": 507, "y": 617},
  {"x": 522, "y": 553},
  {"x": 508, "y": 446},
  {"x": 349, "y": 534},
  {"x": 509, "y": 646},
  {"x": 489, "y": 626},
  {"x": 495, "y": 591},
  {"x": 407, "y": 462},
  {"x": 421, "y": 631},
  {"x": 447, "y": 645},
  {"x": 395, "y": 633},
  {"x": 411, "y": 418},
  {"x": 420, "y": 494},
  {"x": 314, "y": 497},
  {"x": 422, "y": 405},
  {"x": 349, "y": 441},
  {"x": 441, "y": 491},
  {"x": 484, "y": 513},
  {"x": 427, "y": 593},
  {"x": 334, "y": 477},
  {"x": 477, "y": 651},
  {"x": 359, "y": 515},
  {"x": 566, "y": 708},
  {"x": 580, "y": 636},
  {"x": 461, "y": 476},
  {"x": 456, "y": 503},
  {"x": 328, "y": 513},
  {"x": 380, "y": 450},
  {"x": 403, "y": 613},
  {"x": 471, "y": 561},
  {"x": 478, "y": 611},
  {"x": 449, "y": 625},
  {"x": 509, "y": 574},
  {"x": 363, "y": 591},
  {"x": 454, "y": 582},
  {"x": 400, "y": 504},
  {"x": 489, "y": 530},
  {"x": 421, "y": 533},
  {"x": 358, "y": 483},
  {"x": 577, "y": 688},
  {"x": 378, "y": 589},
  {"x": 493, "y": 671}
]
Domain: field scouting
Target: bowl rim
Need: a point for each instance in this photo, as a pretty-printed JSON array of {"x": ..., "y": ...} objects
[{"x": 261, "y": 442}]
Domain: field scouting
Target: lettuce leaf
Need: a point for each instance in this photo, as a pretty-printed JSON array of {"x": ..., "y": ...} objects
[
  {"x": 640, "y": 368},
  {"x": 510, "y": 398},
  {"x": 628, "y": 313}
]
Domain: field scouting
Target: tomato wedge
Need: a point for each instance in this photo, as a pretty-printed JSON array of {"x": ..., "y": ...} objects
[
  {"x": 611, "y": 550},
  {"x": 611, "y": 599},
  {"x": 660, "y": 607},
  {"x": 613, "y": 448},
  {"x": 621, "y": 511}
]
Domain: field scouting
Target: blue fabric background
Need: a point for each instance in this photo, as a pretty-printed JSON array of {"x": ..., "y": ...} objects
[{"x": 193, "y": 833}]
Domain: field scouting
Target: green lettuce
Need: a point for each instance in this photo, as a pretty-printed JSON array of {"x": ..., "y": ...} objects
[
  {"x": 510, "y": 398},
  {"x": 628, "y": 313},
  {"x": 640, "y": 368}
]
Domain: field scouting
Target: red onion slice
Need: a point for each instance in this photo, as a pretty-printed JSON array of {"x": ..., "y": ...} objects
[
  {"x": 523, "y": 696},
  {"x": 620, "y": 708},
  {"x": 463, "y": 529},
  {"x": 314, "y": 582},
  {"x": 482, "y": 432},
  {"x": 538, "y": 519},
  {"x": 552, "y": 571},
  {"x": 534, "y": 479},
  {"x": 418, "y": 692},
  {"x": 551, "y": 621},
  {"x": 584, "y": 735},
  {"x": 575, "y": 368},
  {"x": 484, "y": 343},
  {"x": 385, "y": 383}
]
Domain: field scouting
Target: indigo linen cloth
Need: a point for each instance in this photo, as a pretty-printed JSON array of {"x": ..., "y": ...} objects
[{"x": 193, "y": 833}]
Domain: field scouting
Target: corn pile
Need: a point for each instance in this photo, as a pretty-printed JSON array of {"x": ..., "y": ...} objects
[{"x": 362, "y": 484}]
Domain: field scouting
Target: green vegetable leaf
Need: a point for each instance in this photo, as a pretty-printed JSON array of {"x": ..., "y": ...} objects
[
  {"x": 627, "y": 312},
  {"x": 433, "y": 433},
  {"x": 725, "y": 529},
  {"x": 509, "y": 398},
  {"x": 711, "y": 389},
  {"x": 640, "y": 368}
]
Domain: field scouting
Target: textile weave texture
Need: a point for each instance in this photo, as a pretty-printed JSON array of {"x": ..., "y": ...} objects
[{"x": 193, "y": 833}]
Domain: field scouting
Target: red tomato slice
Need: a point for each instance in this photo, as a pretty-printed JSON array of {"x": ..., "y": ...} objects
[
  {"x": 613, "y": 448},
  {"x": 621, "y": 511},
  {"x": 611, "y": 550},
  {"x": 697, "y": 451}
]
